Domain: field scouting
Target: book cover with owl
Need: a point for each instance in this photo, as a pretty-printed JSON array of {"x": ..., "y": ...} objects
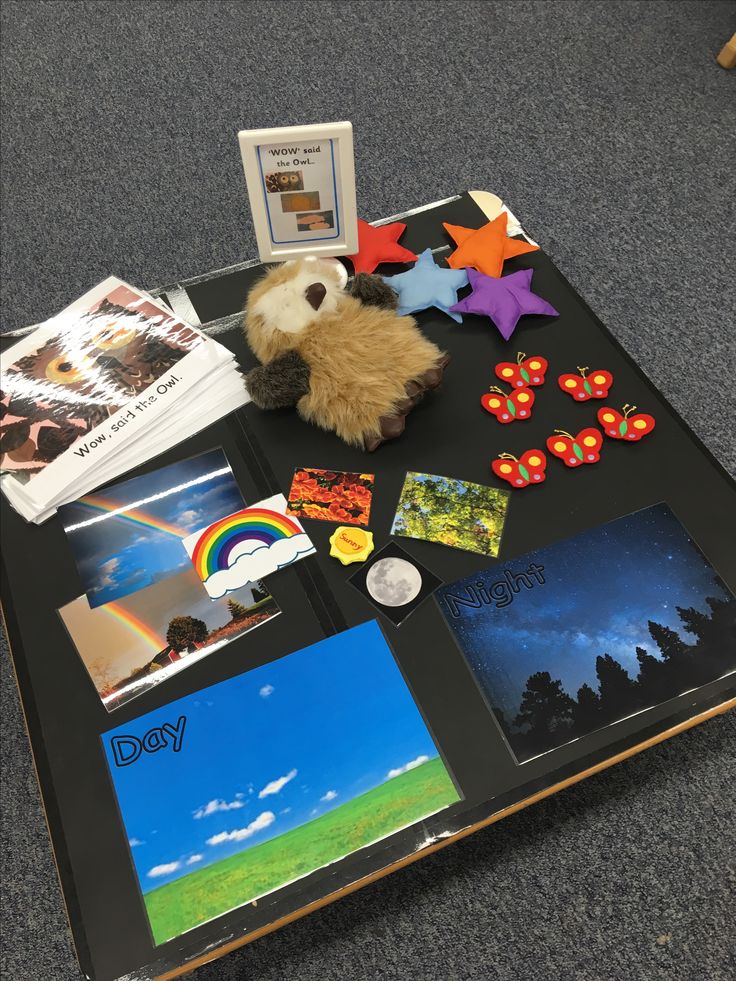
[{"x": 83, "y": 385}]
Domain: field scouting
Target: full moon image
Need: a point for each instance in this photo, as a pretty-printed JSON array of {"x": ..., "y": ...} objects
[{"x": 393, "y": 582}]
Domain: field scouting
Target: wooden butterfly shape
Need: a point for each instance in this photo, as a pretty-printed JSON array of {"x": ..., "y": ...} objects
[
  {"x": 528, "y": 469},
  {"x": 576, "y": 450},
  {"x": 583, "y": 386},
  {"x": 507, "y": 407},
  {"x": 625, "y": 425},
  {"x": 525, "y": 373}
]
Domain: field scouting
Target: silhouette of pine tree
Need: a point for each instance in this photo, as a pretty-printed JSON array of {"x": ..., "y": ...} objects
[
  {"x": 648, "y": 664},
  {"x": 717, "y": 649},
  {"x": 586, "y": 712},
  {"x": 694, "y": 621},
  {"x": 618, "y": 693},
  {"x": 545, "y": 708},
  {"x": 667, "y": 640},
  {"x": 650, "y": 680},
  {"x": 717, "y": 604}
]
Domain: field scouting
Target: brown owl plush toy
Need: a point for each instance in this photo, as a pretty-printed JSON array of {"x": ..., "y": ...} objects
[{"x": 346, "y": 360}]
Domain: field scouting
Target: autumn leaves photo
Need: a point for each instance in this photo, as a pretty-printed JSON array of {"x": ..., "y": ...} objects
[{"x": 330, "y": 495}]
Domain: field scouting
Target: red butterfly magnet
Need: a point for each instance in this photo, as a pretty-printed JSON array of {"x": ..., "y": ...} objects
[
  {"x": 524, "y": 373},
  {"x": 575, "y": 450},
  {"x": 583, "y": 386},
  {"x": 529, "y": 469},
  {"x": 508, "y": 407},
  {"x": 624, "y": 425}
]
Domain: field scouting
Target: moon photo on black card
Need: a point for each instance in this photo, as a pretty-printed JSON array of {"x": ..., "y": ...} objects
[
  {"x": 395, "y": 583},
  {"x": 588, "y": 631}
]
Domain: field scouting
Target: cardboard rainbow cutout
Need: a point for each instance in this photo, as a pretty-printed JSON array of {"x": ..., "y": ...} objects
[{"x": 246, "y": 546}]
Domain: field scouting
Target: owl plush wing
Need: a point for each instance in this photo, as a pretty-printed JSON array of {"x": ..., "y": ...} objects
[{"x": 280, "y": 383}]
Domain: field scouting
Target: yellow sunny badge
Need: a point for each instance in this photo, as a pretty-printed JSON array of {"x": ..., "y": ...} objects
[{"x": 351, "y": 544}]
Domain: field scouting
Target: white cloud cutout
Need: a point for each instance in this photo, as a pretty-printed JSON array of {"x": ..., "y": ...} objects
[
  {"x": 253, "y": 560},
  {"x": 266, "y": 691},
  {"x": 166, "y": 869},
  {"x": 330, "y": 795},
  {"x": 411, "y": 765},
  {"x": 213, "y": 806},
  {"x": 193, "y": 859},
  {"x": 276, "y": 785},
  {"x": 263, "y": 820},
  {"x": 134, "y": 842}
]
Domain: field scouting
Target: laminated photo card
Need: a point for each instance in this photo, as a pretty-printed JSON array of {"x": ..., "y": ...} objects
[
  {"x": 111, "y": 381},
  {"x": 130, "y": 534},
  {"x": 451, "y": 512},
  {"x": 130, "y": 645},
  {"x": 250, "y": 785},
  {"x": 146, "y": 614},
  {"x": 586, "y": 632}
]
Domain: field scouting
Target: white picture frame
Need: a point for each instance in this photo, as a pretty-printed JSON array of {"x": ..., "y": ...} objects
[{"x": 289, "y": 167}]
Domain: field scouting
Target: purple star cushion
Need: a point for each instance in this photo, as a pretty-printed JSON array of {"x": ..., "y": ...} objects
[{"x": 504, "y": 300}]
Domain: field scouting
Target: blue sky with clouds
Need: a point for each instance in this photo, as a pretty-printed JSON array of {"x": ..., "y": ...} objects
[
  {"x": 267, "y": 751},
  {"x": 116, "y": 557}
]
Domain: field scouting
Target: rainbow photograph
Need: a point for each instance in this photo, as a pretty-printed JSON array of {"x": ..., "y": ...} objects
[
  {"x": 129, "y": 535},
  {"x": 247, "y": 545},
  {"x": 130, "y": 645}
]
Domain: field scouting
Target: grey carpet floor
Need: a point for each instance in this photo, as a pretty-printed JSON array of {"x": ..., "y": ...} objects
[{"x": 610, "y": 131}]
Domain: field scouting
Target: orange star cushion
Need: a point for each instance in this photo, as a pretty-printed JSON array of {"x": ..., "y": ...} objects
[
  {"x": 379, "y": 244},
  {"x": 486, "y": 248}
]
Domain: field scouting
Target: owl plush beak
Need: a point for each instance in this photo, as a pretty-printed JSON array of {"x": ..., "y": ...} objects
[{"x": 315, "y": 294}]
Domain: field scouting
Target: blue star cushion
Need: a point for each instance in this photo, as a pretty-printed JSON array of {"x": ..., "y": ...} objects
[{"x": 428, "y": 285}]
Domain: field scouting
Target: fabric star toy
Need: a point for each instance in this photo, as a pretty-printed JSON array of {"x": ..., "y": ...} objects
[
  {"x": 428, "y": 285},
  {"x": 486, "y": 248},
  {"x": 379, "y": 244},
  {"x": 504, "y": 300}
]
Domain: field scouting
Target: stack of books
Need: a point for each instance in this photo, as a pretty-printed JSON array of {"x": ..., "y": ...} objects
[{"x": 112, "y": 381}]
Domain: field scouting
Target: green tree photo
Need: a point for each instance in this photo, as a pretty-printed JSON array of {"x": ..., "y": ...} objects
[
  {"x": 183, "y": 632},
  {"x": 453, "y": 512},
  {"x": 237, "y": 610}
]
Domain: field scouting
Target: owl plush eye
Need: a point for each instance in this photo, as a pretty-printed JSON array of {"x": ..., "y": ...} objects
[
  {"x": 294, "y": 179},
  {"x": 284, "y": 180},
  {"x": 66, "y": 371},
  {"x": 113, "y": 336}
]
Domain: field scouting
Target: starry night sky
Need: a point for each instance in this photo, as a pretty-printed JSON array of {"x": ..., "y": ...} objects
[{"x": 600, "y": 590}]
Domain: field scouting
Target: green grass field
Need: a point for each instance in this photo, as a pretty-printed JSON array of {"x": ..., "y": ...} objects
[{"x": 222, "y": 886}]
